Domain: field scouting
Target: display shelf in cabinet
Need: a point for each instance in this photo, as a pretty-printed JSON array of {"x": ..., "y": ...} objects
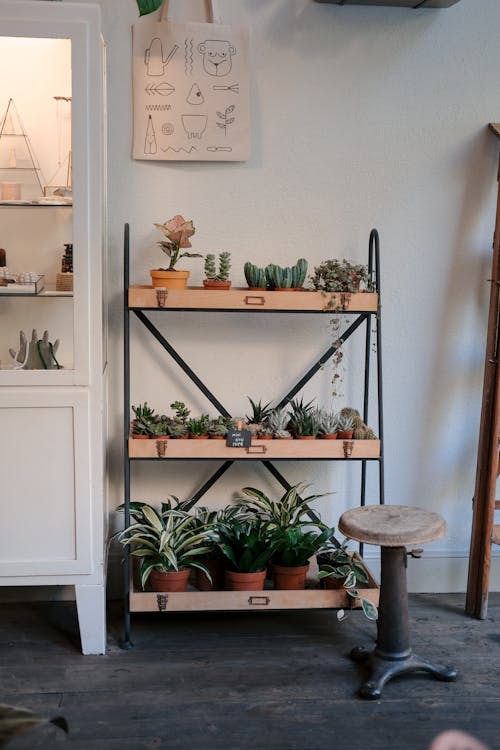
[
  {"x": 260, "y": 449},
  {"x": 197, "y": 298}
]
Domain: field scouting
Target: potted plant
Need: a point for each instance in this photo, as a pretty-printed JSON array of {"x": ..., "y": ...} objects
[
  {"x": 218, "y": 428},
  {"x": 304, "y": 425},
  {"x": 255, "y": 276},
  {"x": 345, "y": 426},
  {"x": 246, "y": 548},
  {"x": 167, "y": 543},
  {"x": 327, "y": 423},
  {"x": 286, "y": 278},
  {"x": 177, "y": 232},
  {"x": 339, "y": 568},
  {"x": 277, "y": 422},
  {"x": 217, "y": 279},
  {"x": 340, "y": 276},
  {"x": 294, "y": 546},
  {"x": 256, "y": 419},
  {"x": 198, "y": 427},
  {"x": 291, "y": 509},
  {"x": 144, "y": 422},
  {"x": 178, "y": 427}
]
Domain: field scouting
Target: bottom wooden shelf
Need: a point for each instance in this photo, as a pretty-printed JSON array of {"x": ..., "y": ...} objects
[{"x": 193, "y": 600}]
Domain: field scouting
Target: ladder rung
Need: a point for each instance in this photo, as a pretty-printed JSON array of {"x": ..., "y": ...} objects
[{"x": 495, "y": 537}]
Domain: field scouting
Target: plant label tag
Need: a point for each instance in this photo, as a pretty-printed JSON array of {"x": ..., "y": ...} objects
[{"x": 239, "y": 439}]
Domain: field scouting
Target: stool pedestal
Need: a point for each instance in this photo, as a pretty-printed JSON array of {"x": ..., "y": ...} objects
[{"x": 392, "y": 655}]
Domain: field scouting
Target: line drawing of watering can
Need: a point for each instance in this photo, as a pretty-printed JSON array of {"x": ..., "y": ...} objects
[{"x": 153, "y": 57}]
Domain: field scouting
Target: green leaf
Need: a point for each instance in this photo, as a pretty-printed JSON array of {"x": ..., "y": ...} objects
[
  {"x": 369, "y": 609},
  {"x": 152, "y": 517},
  {"x": 350, "y": 580},
  {"x": 148, "y": 6}
]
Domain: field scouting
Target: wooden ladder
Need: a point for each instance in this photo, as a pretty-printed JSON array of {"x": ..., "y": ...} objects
[{"x": 485, "y": 531}]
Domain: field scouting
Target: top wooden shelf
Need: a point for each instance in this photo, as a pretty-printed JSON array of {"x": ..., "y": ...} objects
[{"x": 234, "y": 300}]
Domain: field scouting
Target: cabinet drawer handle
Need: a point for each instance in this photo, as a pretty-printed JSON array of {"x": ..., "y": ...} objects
[
  {"x": 162, "y": 601},
  {"x": 259, "y": 449},
  {"x": 348, "y": 446},
  {"x": 253, "y": 300},
  {"x": 259, "y": 601}
]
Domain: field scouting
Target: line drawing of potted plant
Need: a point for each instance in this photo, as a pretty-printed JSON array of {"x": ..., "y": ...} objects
[
  {"x": 194, "y": 125},
  {"x": 226, "y": 118}
]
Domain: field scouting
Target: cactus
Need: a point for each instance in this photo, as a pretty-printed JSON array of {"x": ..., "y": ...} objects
[
  {"x": 364, "y": 433},
  {"x": 348, "y": 411},
  {"x": 255, "y": 277},
  {"x": 224, "y": 266},
  {"x": 299, "y": 273},
  {"x": 279, "y": 277}
]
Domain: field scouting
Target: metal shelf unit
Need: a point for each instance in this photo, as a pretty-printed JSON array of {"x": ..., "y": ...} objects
[{"x": 365, "y": 310}]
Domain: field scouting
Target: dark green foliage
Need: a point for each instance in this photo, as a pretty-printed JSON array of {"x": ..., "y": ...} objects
[
  {"x": 199, "y": 426},
  {"x": 285, "y": 277},
  {"x": 340, "y": 276},
  {"x": 145, "y": 420},
  {"x": 246, "y": 545},
  {"x": 259, "y": 412},
  {"x": 295, "y": 545},
  {"x": 304, "y": 424},
  {"x": 181, "y": 411}
]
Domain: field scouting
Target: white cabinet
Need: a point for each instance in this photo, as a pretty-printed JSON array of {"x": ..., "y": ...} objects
[{"x": 52, "y": 501}]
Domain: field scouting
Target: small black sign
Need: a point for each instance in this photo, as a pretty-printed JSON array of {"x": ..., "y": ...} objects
[{"x": 239, "y": 439}]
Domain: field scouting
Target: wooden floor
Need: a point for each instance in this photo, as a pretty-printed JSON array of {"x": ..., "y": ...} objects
[{"x": 259, "y": 681}]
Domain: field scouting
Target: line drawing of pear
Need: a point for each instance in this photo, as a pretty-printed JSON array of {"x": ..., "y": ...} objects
[{"x": 194, "y": 125}]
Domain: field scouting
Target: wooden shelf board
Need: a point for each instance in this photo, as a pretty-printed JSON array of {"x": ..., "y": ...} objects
[
  {"x": 260, "y": 449},
  {"x": 198, "y": 298},
  {"x": 269, "y": 599}
]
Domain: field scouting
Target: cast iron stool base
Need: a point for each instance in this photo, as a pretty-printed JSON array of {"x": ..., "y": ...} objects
[{"x": 392, "y": 655}]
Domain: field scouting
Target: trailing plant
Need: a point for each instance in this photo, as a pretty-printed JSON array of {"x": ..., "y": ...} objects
[
  {"x": 282, "y": 277},
  {"x": 294, "y": 546},
  {"x": 291, "y": 509},
  {"x": 199, "y": 426},
  {"x": 246, "y": 545},
  {"x": 338, "y": 563},
  {"x": 167, "y": 540},
  {"x": 340, "y": 276},
  {"x": 255, "y": 276},
  {"x": 224, "y": 266},
  {"x": 177, "y": 232},
  {"x": 277, "y": 422}
]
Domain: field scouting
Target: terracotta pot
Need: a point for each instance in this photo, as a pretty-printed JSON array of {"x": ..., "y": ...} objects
[
  {"x": 306, "y": 437},
  {"x": 341, "y": 435},
  {"x": 332, "y": 583},
  {"x": 180, "y": 437},
  {"x": 288, "y": 578},
  {"x": 140, "y": 437},
  {"x": 265, "y": 437},
  {"x": 244, "y": 581},
  {"x": 277, "y": 437},
  {"x": 198, "y": 437},
  {"x": 289, "y": 289},
  {"x": 173, "y": 580},
  {"x": 217, "y": 437},
  {"x": 216, "y": 568},
  {"x": 331, "y": 436},
  {"x": 169, "y": 279},
  {"x": 216, "y": 284}
]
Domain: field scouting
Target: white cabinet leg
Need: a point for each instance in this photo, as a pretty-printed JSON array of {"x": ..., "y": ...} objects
[{"x": 91, "y": 606}]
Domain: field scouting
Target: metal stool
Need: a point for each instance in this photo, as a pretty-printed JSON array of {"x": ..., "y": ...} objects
[{"x": 392, "y": 527}]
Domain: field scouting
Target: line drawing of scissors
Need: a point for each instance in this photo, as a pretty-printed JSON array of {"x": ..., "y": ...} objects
[{"x": 234, "y": 87}]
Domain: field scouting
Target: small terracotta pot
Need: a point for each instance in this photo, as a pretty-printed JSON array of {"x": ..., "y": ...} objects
[
  {"x": 140, "y": 437},
  {"x": 306, "y": 437},
  {"x": 332, "y": 583},
  {"x": 217, "y": 437},
  {"x": 331, "y": 436},
  {"x": 216, "y": 569},
  {"x": 289, "y": 579},
  {"x": 173, "y": 580},
  {"x": 169, "y": 279},
  {"x": 341, "y": 435},
  {"x": 216, "y": 284},
  {"x": 180, "y": 437},
  {"x": 277, "y": 437},
  {"x": 265, "y": 437},
  {"x": 198, "y": 437},
  {"x": 244, "y": 581}
]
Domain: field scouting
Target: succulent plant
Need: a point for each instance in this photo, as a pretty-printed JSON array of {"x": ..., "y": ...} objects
[
  {"x": 277, "y": 422},
  {"x": 259, "y": 412},
  {"x": 348, "y": 411},
  {"x": 363, "y": 433},
  {"x": 181, "y": 411},
  {"x": 218, "y": 427},
  {"x": 327, "y": 422},
  {"x": 177, "y": 429},
  {"x": 345, "y": 423},
  {"x": 145, "y": 419},
  {"x": 304, "y": 424},
  {"x": 198, "y": 426},
  {"x": 224, "y": 266},
  {"x": 255, "y": 276}
]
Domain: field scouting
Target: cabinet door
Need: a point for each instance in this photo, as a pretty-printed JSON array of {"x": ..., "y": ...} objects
[{"x": 45, "y": 487}]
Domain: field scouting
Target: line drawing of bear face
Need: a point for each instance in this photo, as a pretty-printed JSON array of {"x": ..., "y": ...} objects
[{"x": 217, "y": 56}]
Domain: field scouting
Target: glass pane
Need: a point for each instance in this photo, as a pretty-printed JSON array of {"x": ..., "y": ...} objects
[{"x": 36, "y": 217}]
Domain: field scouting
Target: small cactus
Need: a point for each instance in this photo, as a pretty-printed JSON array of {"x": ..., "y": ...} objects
[
  {"x": 345, "y": 423},
  {"x": 255, "y": 276},
  {"x": 224, "y": 266},
  {"x": 327, "y": 420}
]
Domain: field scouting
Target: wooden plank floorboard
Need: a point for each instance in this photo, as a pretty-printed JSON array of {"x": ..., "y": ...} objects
[{"x": 272, "y": 681}]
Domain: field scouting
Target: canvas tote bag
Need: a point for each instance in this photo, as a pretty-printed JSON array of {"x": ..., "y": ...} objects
[{"x": 190, "y": 90}]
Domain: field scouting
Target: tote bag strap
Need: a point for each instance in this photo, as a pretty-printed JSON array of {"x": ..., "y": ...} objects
[{"x": 213, "y": 13}]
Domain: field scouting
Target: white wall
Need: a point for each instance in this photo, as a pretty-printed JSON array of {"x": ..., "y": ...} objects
[{"x": 361, "y": 117}]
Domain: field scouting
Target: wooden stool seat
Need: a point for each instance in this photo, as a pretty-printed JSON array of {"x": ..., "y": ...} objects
[{"x": 392, "y": 525}]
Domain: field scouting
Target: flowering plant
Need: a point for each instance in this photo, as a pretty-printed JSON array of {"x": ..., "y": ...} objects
[{"x": 177, "y": 231}]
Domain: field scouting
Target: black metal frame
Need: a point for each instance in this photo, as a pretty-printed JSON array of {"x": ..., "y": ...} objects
[{"x": 361, "y": 317}]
